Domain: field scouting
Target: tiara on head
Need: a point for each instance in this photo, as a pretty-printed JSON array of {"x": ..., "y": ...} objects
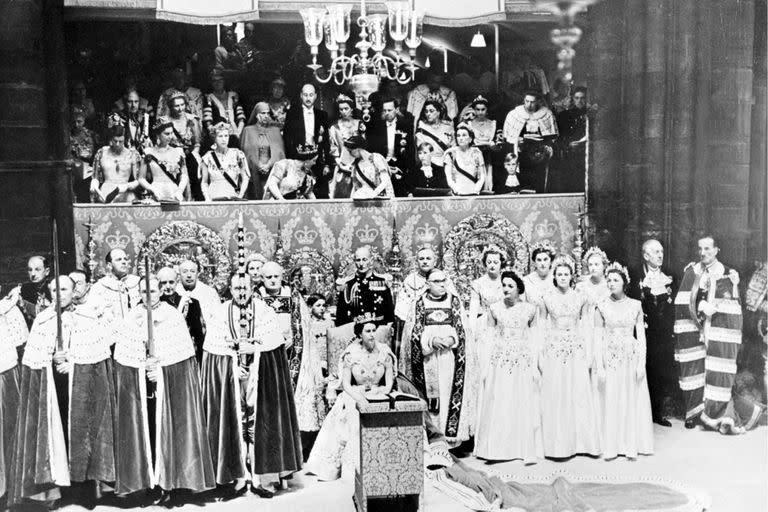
[
  {"x": 176, "y": 95},
  {"x": 564, "y": 259},
  {"x": 220, "y": 127},
  {"x": 493, "y": 249},
  {"x": 544, "y": 244},
  {"x": 161, "y": 123},
  {"x": 367, "y": 317},
  {"x": 618, "y": 267},
  {"x": 480, "y": 99},
  {"x": 595, "y": 251},
  {"x": 306, "y": 149},
  {"x": 343, "y": 98}
]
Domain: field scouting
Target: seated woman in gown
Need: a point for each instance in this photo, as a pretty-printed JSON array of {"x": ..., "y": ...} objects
[
  {"x": 225, "y": 173},
  {"x": 115, "y": 170},
  {"x": 368, "y": 370}
]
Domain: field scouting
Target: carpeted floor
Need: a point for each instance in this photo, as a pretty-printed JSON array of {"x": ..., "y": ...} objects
[{"x": 733, "y": 470}]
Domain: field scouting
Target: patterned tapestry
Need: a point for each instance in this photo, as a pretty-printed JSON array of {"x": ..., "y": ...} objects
[{"x": 316, "y": 239}]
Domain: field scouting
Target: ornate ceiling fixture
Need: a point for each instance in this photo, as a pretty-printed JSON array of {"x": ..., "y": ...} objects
[
  {"x": 332, "y": 25},
  {"x": 568, "y": 34}
]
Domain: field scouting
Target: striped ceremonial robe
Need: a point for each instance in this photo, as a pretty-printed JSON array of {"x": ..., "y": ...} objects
[{"x": 707, "y": 346}]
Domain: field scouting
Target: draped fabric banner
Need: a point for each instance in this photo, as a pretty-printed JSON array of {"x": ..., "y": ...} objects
[
  {"x": 318, "y": 238},
  {"x": 205, "y": 12}
]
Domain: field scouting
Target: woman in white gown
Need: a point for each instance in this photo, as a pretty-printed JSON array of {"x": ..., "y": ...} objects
[
  {"x": 569, "y": 413},
  {"x": 509, "y": 426},
  {"x": 367, "y": 371},
  {"x": 225, "y": 173},
  {"x": 594, "y": 286},
  {"x": 484, "y": 291},
  {"x": 627, "y": 424},
  {"x": 464, "y": 166}
]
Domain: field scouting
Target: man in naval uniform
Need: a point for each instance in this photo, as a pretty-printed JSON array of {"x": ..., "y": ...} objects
[{"x": 366, "y": 293}]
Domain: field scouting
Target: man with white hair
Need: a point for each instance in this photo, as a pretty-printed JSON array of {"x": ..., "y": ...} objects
[
  {"x": 654, "y": 286},
  {"x": 365, "y": 293},
  {"x": 118, "y": 291},
  {"x": 187, "y": 305}
]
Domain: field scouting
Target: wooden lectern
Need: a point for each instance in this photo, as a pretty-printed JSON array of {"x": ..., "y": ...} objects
[{"x": 391, "y": 472}]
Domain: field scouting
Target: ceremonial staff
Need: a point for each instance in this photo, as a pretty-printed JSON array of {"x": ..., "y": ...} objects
[
  {"x": 59, "y": 337},
  {"x": 241, "y": 271},
  {"x": 150, "y": 325}
]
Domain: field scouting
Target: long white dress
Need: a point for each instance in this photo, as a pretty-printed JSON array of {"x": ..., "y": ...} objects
[
  {"x": 569, "y": 411},
  {"x": 335, "y": 451},
  {"x": 509, "y": 426},
  {"x": 483, "y": 292},
  {"x": 536, "y": 287},
  {"x": 627, "y": 424}
]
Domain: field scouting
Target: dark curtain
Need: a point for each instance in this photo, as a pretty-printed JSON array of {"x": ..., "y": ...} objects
[{"x": 679, "y": 138}]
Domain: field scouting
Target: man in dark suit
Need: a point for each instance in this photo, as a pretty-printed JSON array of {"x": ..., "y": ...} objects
[
  {"x": 391, "y": 135},
  {"x": 308, "y": 126},
  {"x": 654, "y": 286}
]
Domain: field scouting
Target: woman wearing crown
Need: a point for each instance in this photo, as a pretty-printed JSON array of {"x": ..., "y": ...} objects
[
  {"x": 433, "y": 129},
  {"x": 225, "y": 172},
  {"x": 293, "y": 179},
  {"x": 485, "y": 133},
  {"x": 464, "y": 166},
  {"x": 163, "y": 172},
  {"x": 569, "y": 414},
  {"x": 368, "y": 370},
  {"x": 346, "y": 126},
  {"x": 627, "y": 424}
]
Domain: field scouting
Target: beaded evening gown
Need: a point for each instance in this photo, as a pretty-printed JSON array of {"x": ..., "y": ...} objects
[
  {"x": 509, "y": 424},
  {"x": 569, "y": 411},
  {"x": 627, "y": 423}
]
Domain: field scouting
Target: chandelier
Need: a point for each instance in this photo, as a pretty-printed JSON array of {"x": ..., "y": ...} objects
[
  {"x": 332, "y": 26},
  {"x": 568, "y": 34}
]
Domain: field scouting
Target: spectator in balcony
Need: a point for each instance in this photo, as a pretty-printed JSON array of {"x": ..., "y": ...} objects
[
  {"x": 572, "y": 124},
  {"x": 370, "y": 172},
  {"x": 278, "y": 103},
  {"x": 431, "y": 128},
  {"x": 429, "y": 179},
  {"x": 263, "y": 146},
  {"x": 227, "y": 55},
  {"x": 132, "y": 112},
  {"x": 193, "y": 95},
  {"x": 186, "y": 136},
  {"x": 166, "y": 164},
  {"x": 291, "y": 178},
  {"x": 532, "y": 129},
  {"x": 305, "y": 126},
  {"x": 224, "y": 170},
  {"x": 223, "y": 106},
  {"x": 82, "y": 144},
  {"x": 115, "y": 170},
  {"x": 464, "y": 166},
  {"x": 79, "y": 99},
  {"x": 345, "y": 126},
  {"x": 433, "y": 90},
  {"x": 485, "y": 135},
  {"x": 391, "y": 135}
]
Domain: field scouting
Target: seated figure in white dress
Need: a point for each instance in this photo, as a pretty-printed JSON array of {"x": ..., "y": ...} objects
[
  {"x": 368, "y": 370},
  {"x": 225, "y": 173}
]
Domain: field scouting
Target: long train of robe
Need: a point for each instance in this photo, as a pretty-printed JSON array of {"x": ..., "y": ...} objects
[
  {"x": 40, "y": 460},
  {"x": 182, "y": 454},
  {"x": 10, "y": 395},
  {"x": 221, "y": 403},
  {"x": 276, "y": 438},
  {"x": 92, "y": 422}
]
